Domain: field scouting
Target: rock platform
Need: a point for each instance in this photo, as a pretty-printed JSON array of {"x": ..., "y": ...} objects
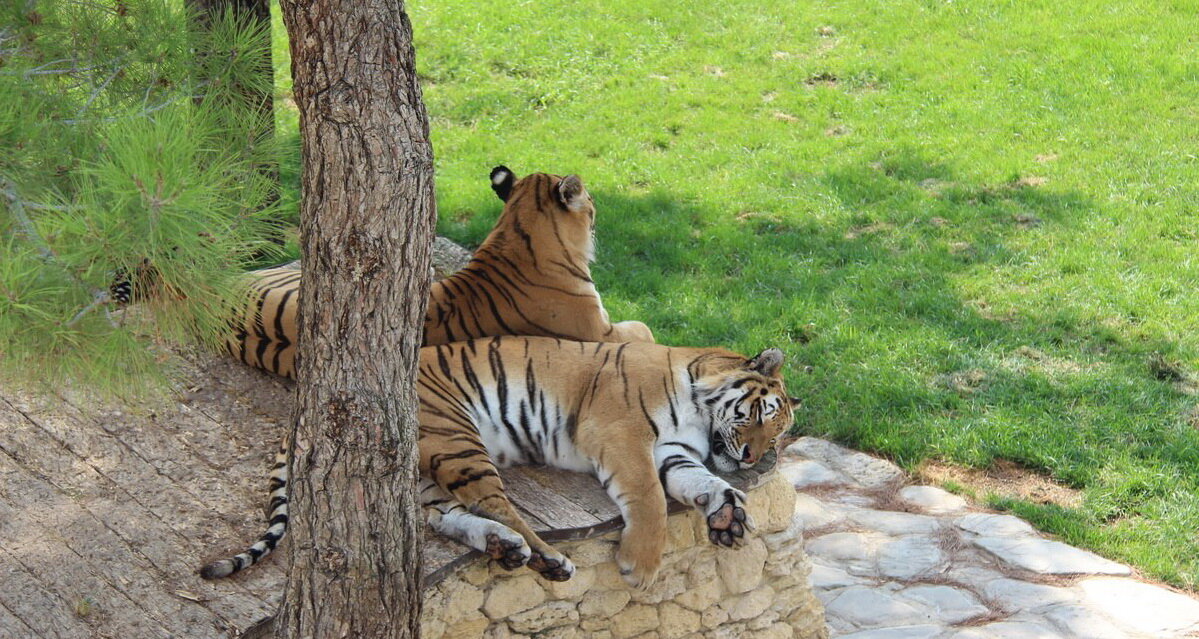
[{"x": 702, "y": 592}]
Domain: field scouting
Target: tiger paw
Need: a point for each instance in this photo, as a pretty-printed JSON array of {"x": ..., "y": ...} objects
[
  {"x": 638, "y": 573},
  {"x": 510, "y": 553},
  {"x": 553, "y": 569},
  {"x": 726, "y": 517}
]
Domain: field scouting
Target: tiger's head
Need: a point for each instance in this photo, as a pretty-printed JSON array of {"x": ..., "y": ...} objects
[
  {"x": 540, "y": 205},
  {"x": 751, "y": 409}
]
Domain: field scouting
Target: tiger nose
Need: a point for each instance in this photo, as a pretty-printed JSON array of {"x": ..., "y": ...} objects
[{"x": 747, "y": 456}]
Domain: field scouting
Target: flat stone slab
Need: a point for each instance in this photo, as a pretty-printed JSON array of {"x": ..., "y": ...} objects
[
  {"x": 1013, "y": 595},
  {"x": 866, "y": 607},
  {"x": 806, "y": 473},
  {"x": 995, "y": 525},
  {"x": 910, "y": 557},
  {"x": 865, "y": 470},
  {"x": 815, "y": 513},
  {"x": 890, "y": 522},
  {"x": 855, "y": 551},
  {"x": 925, "y": 631},
  {"x": 826, "y": 577},
  {"x": 1050, "y": 557},
  {"x": 1008, "y": 630},
  {"x": 950, "y": 605},
  {"x": 932, "y": 500},
  {"x": 1141, "y": 606},
  {"x": 916, "y": 562},
  {"x": 1078, "y": 620}
]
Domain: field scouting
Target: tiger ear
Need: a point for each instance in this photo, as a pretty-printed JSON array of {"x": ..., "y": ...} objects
[
  {"x": 768, "y": 362},
  {"x": 571, "y": 193},
  {"x": 502, "y": 179},
  {"x": 795, "y": 402}
]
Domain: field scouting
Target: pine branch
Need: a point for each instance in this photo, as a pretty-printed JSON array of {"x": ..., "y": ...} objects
[
  {"x": 138, "y": 114},
  {"x": 44, "y": 70},
  {"x": 100, "y": 89},
  {"x": 99, "y": 298},
  {"x": 95, "y": 6},
  {"x": 17, "y": 206}
]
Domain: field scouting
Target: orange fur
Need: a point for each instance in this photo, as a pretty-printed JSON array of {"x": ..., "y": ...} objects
[{"x": 531, "y": 276}]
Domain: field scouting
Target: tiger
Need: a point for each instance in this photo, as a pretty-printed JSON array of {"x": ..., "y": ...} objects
[
  {"x": 530, "y": 276},
  {"x": 640, "y": 417}
]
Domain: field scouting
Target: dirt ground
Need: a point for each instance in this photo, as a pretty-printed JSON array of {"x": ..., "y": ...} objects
[
  {"x": 107, "y": 509},
  {"x": 1005, "y": 479}
]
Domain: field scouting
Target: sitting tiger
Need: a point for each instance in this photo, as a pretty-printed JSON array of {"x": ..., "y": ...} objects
[
  {"x": 640, "y": 417},
  {"x": 531, "y": 276}
]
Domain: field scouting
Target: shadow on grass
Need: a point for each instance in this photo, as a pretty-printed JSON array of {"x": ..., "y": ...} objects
[{"x": 875, "y": 306}]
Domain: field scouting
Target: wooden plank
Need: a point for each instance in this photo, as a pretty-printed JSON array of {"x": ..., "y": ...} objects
[
  {"x": 212, "y": 512},
  {"x": 441, "y": 557},
  {"x": 55, "y": 542},
  {"x": 172, "y": 557},
  {"x": 124, "y": 469},
  {"x": 12, "y": 626},
  {"x": 553, "y": 509},
  {"x": 111, "y": 450},
  {"x": 583, "y": 490},
  {"x": 24, "y": 598}
]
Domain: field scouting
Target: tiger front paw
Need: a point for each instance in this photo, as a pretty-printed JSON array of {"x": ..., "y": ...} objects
[
  {"x": 726, "y": 517},
  {"x": 640, "y": 572}
]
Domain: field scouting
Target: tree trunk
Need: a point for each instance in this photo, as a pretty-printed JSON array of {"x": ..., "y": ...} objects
[{"x": 366, "y": 221}]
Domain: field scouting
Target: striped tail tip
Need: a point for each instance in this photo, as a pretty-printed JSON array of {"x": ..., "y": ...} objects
[
  {"x": 269, "y": 539},
  {"x": 219, "y": 569}
]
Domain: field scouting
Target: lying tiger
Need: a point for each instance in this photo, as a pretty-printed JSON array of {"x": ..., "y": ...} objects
[
  {"x": 531, "y": 276},
  {"x": 640, "y": 417}
]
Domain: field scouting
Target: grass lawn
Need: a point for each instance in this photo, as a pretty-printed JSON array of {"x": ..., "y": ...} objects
[{"x": 971, "y": 226}]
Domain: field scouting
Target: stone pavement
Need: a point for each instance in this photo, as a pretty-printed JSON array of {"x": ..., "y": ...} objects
[{"x": 896, "y": 561}]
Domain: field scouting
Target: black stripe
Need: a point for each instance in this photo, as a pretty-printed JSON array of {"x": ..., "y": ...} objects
[
  {"x": 437, "y": 460},
  {"x": 284, "y": 343},
  {"x": 471, "y": 478},
  {"x": 645, "y": 411},
  {"x": 672, "y": 462}
]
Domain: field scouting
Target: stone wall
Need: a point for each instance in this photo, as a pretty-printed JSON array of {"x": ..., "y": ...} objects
[{"x": 761, "y": 589}]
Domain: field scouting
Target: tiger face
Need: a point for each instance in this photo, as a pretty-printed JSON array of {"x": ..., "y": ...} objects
[
  {"x": 752, "y": 410},
  {"x": 560, "y": 206}
]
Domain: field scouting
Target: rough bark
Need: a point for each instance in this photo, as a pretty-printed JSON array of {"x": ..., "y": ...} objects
[{"x": 367, "y": 219}]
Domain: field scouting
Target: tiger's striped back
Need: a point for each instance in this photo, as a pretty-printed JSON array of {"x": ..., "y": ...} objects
[
  {"x": 264, "y": 335},
  {"x": 531, "y": 276}
]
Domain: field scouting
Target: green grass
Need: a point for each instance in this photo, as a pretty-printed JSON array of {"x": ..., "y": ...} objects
[{"x": 976, "y": 222}]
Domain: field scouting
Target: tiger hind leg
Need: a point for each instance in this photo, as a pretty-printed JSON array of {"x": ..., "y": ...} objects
[
  {"x": 477, "y": 485},
  {"x": 630, "y": 331},
  {"x": 448, "y": 517}
]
